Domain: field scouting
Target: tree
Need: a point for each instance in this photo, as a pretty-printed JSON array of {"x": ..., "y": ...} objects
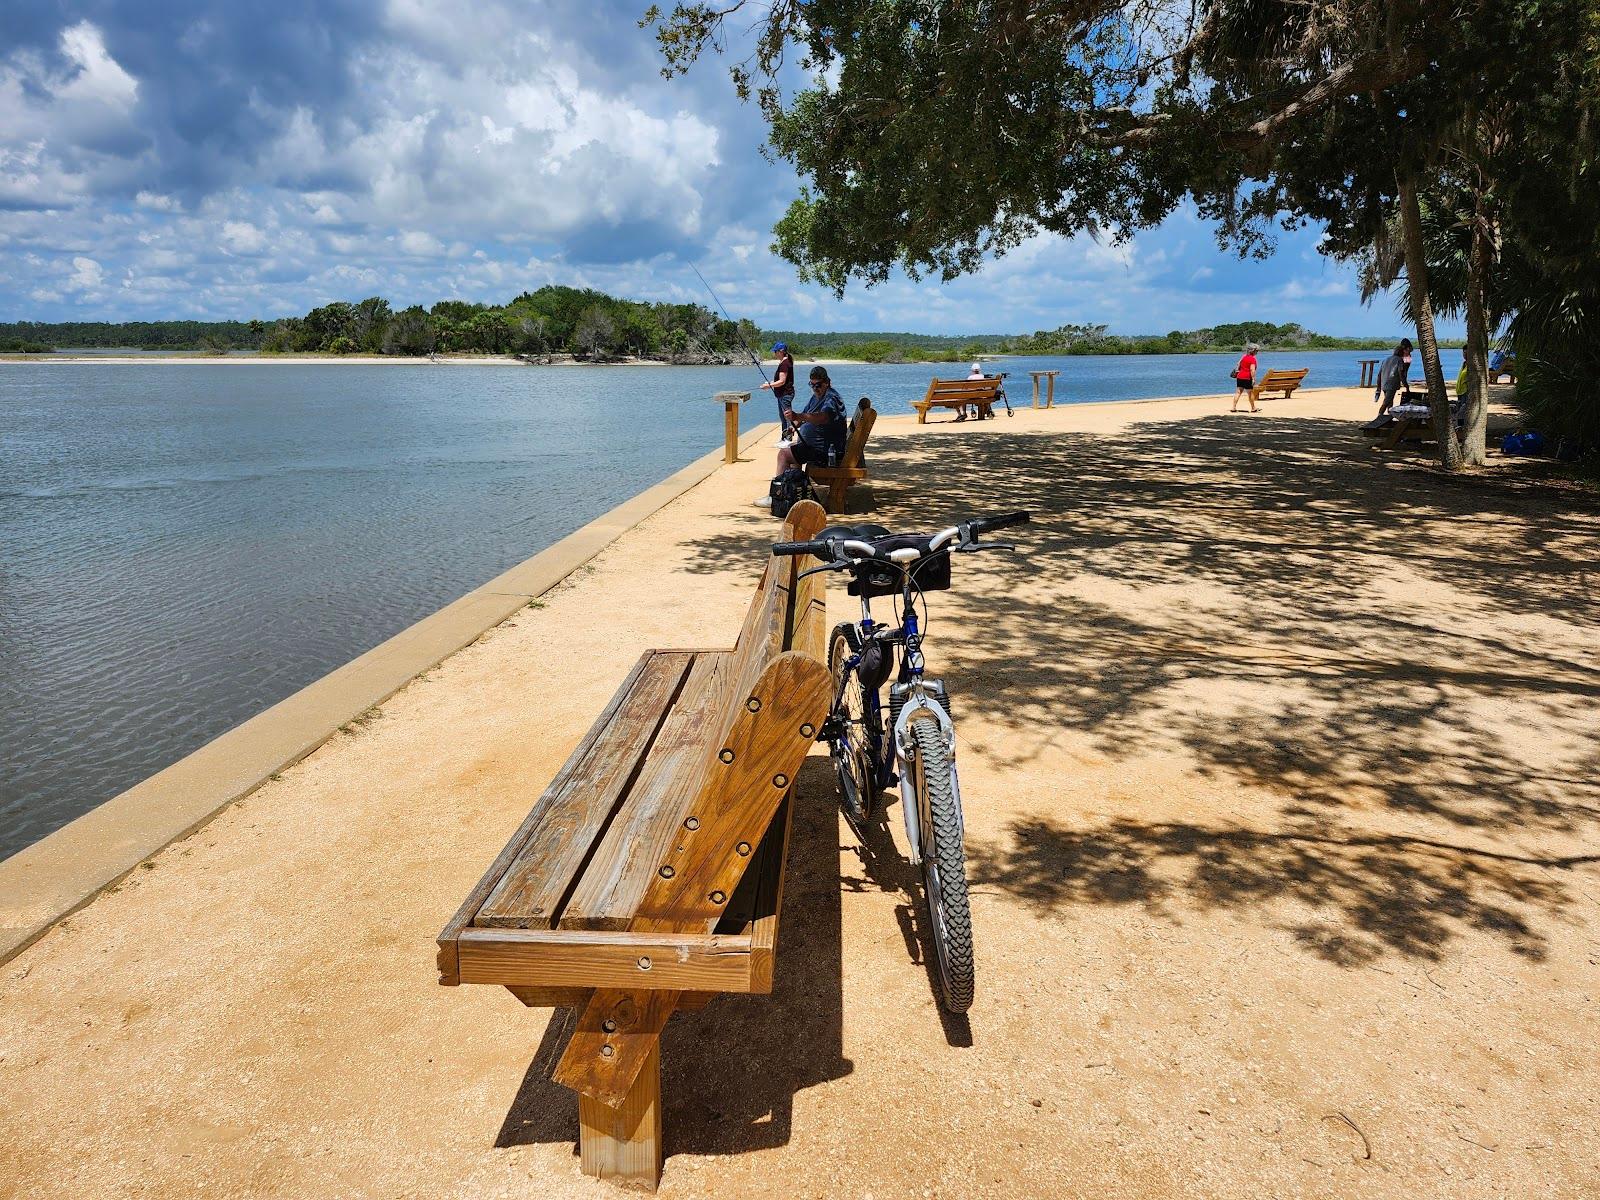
[
  {"x": 409, "y": 333},
  {"x": 594, "y": 332},
  {"x": 1096, "y": 114},
  {"x": 370, "y": 321}
]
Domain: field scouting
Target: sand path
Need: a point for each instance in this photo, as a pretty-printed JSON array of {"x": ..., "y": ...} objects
[{"x": 1281, "y": 772}]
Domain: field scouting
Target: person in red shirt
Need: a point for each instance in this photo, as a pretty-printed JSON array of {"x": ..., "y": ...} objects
[{"x": 1244, "y": 378}]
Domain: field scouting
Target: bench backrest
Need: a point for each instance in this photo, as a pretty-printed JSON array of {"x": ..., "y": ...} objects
[
  {"x": 866, "y": 418},
  {"x": 969, "y": 390},
  {"x": 1279, "y": 378},
  {"x": 720, "y": 763}
]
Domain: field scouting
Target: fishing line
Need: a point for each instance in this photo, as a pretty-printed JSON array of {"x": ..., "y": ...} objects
[{"x": 784, "y": 425}]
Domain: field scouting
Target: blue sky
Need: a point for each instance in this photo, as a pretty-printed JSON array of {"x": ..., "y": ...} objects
[{"x": 171, "y": 159}]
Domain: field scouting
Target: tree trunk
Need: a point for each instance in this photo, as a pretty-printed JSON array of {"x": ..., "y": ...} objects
[
  {"x": 1427, "y": 342},
  {"x": 1475, "y": 436}
]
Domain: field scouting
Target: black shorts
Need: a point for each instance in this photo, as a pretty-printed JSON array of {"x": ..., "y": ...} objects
[{"x": 808, "y": 455}]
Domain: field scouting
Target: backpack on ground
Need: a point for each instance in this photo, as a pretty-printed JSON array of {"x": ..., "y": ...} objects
[{"x": 789, "y": 489}]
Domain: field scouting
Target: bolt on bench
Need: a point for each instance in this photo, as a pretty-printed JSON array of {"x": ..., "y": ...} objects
[{"x": 649, "y": 875}]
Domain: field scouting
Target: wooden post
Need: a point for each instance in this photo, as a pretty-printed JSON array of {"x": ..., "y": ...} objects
[
  {"x": 730, "y": 423},
  {"x": 624, "y": 1143},
  {"x": 1050, "y": 387},
  {"x": 1369, "y": 372}
]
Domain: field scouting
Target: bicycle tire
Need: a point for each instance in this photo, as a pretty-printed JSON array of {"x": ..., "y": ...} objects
[
  {"x": 851, "y": 752},
  {"x": 944, "y": 867}
]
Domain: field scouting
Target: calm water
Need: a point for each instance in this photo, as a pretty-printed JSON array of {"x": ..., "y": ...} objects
[{"x": 183, "y": 545}]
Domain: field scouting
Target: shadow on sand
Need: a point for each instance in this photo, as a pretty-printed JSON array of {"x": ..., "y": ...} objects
[
  {"x": 730, "y": 1071},
  {"x": 1408, "y": 661}
]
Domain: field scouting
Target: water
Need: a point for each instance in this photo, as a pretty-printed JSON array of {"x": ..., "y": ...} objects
[{"x": 182, "y": 545}]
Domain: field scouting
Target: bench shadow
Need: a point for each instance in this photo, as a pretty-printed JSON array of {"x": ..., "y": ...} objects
[{"x": 730, "y": 1071}]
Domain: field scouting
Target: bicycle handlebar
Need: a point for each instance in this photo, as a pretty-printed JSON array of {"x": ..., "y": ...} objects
[
  {"x": 821, "y": 548},
  {"x": 841, "y": 549},
  {"x": 987, "y": 524}
]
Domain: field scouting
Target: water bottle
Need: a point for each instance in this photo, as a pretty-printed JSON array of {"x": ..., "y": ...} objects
[{"x": 833, "y": 457}]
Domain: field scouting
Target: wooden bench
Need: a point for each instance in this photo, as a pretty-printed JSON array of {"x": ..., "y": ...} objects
[
  {"x": 958, "y": 394},
  {"x": 1280, "y": 381},
  {"x": 852, "y": 467},
  {"x": 649, "y": 875}
]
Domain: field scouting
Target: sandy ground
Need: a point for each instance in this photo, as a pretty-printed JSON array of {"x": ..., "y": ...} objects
[{"x": 1280, "y": 763}]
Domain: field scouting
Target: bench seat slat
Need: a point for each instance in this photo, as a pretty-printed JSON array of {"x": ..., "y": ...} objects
[
  {"x": 572, "y": 815},
  {"x": 602, "y": 899}
]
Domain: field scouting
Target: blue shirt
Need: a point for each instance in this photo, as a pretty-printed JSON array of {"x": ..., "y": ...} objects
[{"x": 829, "y": 434}]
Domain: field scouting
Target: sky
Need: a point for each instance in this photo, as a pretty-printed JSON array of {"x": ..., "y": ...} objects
[{"x": 170, "y": 159}]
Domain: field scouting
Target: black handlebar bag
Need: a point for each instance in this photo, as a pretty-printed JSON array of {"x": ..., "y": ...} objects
[{"x": 873, "y": 579}]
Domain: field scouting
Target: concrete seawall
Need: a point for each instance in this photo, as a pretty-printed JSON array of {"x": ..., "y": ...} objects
[{"x": 68, "y": 868}]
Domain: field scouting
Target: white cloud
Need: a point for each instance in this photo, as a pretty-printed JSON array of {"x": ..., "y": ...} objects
[
  {"x": 99, "y": 78},
  {"x": 157, "y": 202},
  {"x": 422, "y": 245},
  {"x": 86, "y": 275},
  {"x": 241, "y": 237}
]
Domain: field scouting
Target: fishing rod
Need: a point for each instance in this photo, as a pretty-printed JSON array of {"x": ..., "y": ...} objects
[{"x": 783, "y": 424}]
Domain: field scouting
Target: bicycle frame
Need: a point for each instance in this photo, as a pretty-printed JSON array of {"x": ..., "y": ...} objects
[{"x": 918, "y": 705}]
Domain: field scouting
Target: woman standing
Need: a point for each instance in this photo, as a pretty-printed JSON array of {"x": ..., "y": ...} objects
[{"x": 1244, "y": 378}]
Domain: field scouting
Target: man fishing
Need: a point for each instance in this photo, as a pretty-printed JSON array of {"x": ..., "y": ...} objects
[{"x": 781, "y": 384}]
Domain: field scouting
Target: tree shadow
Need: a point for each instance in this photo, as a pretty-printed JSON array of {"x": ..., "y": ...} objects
[{"x": 1403, "y": 664}]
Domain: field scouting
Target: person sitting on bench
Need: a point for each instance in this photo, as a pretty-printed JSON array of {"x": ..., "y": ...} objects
[{"x": 820, "y": 430}]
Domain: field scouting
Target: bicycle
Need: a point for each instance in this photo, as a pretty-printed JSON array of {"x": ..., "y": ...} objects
[{"x": 920, "y": 736}]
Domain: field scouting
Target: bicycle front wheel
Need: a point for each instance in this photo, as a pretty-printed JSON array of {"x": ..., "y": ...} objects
[
  {"x": 851, "y": 743},
  {"x": 944, "y": 865}
]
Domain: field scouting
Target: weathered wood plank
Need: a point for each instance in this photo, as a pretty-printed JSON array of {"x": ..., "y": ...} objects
[
  {"x": 573, "y": 813},
  {"x": 616, "y": 1033},
  {"x": 623, "y": 959},
  {"x": 691, "y": 873},
  {"x": 769, "y": 897},
  {"x": 600, "y": 899},
  {"x": 624, "y": 1143},
  {"x": 474, "y": 902}
]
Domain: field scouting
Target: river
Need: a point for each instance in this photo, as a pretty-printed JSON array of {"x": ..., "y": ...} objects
[{"x": 184, "y": 544}]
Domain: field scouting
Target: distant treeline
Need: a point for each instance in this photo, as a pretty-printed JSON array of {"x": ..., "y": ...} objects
[
  {"x": 36, "y": 337},
  {"x": 550, "y": 321},
  {"x": 592, "y": 325},
  {"x": 1066, "y": 340}
]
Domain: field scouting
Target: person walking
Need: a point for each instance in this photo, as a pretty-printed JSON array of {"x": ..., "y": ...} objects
[
  {"x": 1244, "y": 378},
  {"x": 1393, "y": 376}
]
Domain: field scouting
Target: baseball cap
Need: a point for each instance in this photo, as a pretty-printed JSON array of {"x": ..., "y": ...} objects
[{"x": 779, "y": 346}]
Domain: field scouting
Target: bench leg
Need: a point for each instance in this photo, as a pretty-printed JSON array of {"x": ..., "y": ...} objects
[
  {"x": 624, "y": 1143},
  {"x": 837, "y": 491}
]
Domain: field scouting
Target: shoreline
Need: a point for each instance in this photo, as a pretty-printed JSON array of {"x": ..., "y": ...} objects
[
  {"x": 371, "y": 360},
  {"x": 566, "y": 361}
]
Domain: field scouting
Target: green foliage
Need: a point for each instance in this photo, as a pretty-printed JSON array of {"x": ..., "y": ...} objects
[{"x": 148, "y": 335}]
